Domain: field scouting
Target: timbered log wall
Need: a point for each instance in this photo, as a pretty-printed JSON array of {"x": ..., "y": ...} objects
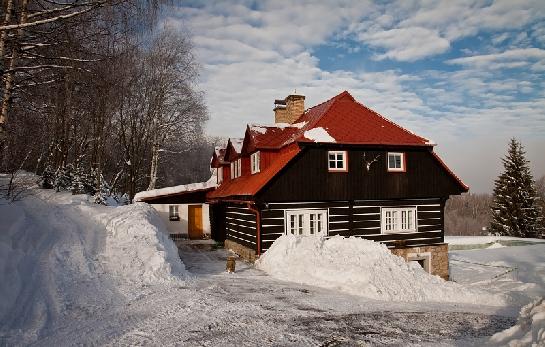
[
  {"x": 240, "y": 225},
  {"x": 362, "y": 219}
]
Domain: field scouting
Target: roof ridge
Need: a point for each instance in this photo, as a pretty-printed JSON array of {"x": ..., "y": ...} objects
[
  {"x": 334, "y": 99},
  {"x": 391, "y": 122}
]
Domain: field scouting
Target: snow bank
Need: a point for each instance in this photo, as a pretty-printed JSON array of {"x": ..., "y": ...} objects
[
  {"x": 474, "y": 240},
  {"x": 529, "y": 330},
  {"x": 318, "y": 135},
  {"x": 138, "y": 248},
  {"x": 361, "y": 267}
]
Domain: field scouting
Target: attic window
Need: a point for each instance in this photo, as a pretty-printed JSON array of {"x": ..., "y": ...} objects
[
  {"x": 396, "y": 162},
  {"x": 219, "y": 174},
  {"x": 236, "y": 168},
  {"x": 337, "y": 161},
  {"x": 255, "y": 161}
]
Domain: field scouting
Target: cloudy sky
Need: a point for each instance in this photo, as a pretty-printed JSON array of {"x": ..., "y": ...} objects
[{"x": 467, "y": 74}]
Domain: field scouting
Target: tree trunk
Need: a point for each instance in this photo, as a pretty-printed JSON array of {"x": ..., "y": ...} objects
[
  {"x": 9, "y": 75},
  {"x": 154, "y": 166}
]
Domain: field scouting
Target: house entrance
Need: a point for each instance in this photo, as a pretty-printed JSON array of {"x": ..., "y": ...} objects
[{"x": 195, "y": 227}]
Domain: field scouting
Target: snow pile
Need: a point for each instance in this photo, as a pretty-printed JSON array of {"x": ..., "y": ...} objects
[
  {"x": 529, "y": 330},
  {"x": 318, "y": 135},
  {"x": 138, "y": 248},
  {"x": 361, "y": 267},
  {"x": 211, "y": 183}
]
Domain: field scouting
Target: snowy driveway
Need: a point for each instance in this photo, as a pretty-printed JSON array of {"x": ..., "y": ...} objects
[{"x": 302, "y": 315}]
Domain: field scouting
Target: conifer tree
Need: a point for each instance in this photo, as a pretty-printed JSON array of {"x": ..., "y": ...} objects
[{"x": 514, "y": 209}]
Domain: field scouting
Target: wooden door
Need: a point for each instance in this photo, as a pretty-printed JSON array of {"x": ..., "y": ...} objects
[{"x": 195, "y": 228}]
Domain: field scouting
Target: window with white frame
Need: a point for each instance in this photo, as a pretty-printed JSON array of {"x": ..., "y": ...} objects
[
  {"x": 398, "y": 219},
  {"x": 255, "y": 160},
  {"x": 337, "y": 161},
  {"x": 233, "y": 169},
  {"x": 396, "y": 162},
  {"x": 173, "y": 212},
  {"x": 236, "y": 168},
  {"x": 306, "y": 222},
  {"x": 219, "y": 174}
]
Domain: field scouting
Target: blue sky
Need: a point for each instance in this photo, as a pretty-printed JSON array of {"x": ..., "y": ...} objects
[{"x": 467, "y": 74}]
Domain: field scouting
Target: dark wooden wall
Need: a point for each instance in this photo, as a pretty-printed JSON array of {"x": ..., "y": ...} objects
[
  {"x": 240, "y": 225},
  {"x": 306, "y": 178},
  {"x": 217, "y": 222},
  {"x": 362, "y": 219}
]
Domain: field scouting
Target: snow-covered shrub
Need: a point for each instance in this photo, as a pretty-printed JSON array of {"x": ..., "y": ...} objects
[{"x": 64, "y": 177}]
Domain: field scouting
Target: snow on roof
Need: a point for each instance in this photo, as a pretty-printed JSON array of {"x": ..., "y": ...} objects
[
  {"x": 258, "y": 128},
  {"x": 290, "y": 125},
  {"x": 319, "y": 135},
  {"x": 217, "y": 149},
  {"x": 211, "y": 183},
  {"x": 237, "y": 144}
]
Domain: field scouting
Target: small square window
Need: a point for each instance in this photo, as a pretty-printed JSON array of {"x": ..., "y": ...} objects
[
  {"x": 337, "y": 161},
  {"x": 396, "y": 162}
]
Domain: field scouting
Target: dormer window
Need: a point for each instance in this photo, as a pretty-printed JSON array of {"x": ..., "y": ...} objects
[
  {"x": 337, "y": 161},
  {"x": 236, "y": 168},
  {"x": 396, "y": 162},
  {"x": 255, "y": 161},
  {"x": 219, "y": 174}
]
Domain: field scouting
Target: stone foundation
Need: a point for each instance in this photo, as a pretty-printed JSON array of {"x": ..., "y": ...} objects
[
  {"x": 244, "y": 252},
  {"x": 436, "y": 257}
]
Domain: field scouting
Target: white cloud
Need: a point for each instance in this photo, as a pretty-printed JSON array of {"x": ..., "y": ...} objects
[
  {"x": 508, "y": 59},
  {"x": 406, "y": 44}
]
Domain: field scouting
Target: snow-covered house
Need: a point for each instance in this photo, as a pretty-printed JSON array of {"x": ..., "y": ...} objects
[
  {"x": 338, "y": 168},
  {"x": 182, "y": 208}
]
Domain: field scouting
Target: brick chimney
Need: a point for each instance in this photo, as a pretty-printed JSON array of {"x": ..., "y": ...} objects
[{"x": 289, "y": 109}]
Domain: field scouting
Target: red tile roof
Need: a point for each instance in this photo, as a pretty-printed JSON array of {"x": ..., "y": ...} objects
[
  {"x": 251, "y": 184},
  {"x": 350, "y": 122},
  {"x": 345, "y": 119},
  {"x": 273, "y": 137},
  {"x": 436, "y": 156}
]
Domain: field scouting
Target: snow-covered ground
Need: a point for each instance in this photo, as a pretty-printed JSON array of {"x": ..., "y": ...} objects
[{"x": 75, "y": 273}]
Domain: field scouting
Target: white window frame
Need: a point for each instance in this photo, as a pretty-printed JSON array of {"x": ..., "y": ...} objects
[
  {"x": 394, "y": 220},
  {"x": 402, "y": 162},
  {"x": 219, "y": 174},
  {"x": 255, "y": 162},
  {"x": 306, "y": 222},
  {"x": 236, "y": 168},
  {"x": 344, "y": 161}
]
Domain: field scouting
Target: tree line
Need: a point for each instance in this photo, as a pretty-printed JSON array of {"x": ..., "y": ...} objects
[{"x": 96, "y": 96}]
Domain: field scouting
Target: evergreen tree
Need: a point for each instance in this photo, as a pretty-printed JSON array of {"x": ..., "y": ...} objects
[
  {"x": 63, "y": 178},
  {"x": 514, "y": 209},
  {"x": 48, "y": 178}
]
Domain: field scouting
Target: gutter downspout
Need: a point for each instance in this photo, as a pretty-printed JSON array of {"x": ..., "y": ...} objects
[{"x": 254, "y": 209}]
